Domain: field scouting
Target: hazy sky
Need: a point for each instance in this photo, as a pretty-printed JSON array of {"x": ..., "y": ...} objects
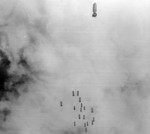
[{"x": 106, "y": 58}]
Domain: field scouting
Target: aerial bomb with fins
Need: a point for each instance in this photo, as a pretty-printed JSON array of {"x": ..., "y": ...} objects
[{"x": 94, "y": 10}]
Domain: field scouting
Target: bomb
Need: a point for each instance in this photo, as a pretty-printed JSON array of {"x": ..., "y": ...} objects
[
  {"x": 73, "y": 94},
  {"x": 94, "y": 10},
  {"x": 61, "y": 103},
  {"x": 77, "y": 93},
  {"x": 79, "y": 99}
]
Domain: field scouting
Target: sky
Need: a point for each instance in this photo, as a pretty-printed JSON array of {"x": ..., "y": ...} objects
[{"x": 106, "y": 58}]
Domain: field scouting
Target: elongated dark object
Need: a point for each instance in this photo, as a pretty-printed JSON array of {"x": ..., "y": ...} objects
[
  {"x": 79, "y": 116},
  {"x": 93, "y": 119},
  {"x": 83, "y": 117},
  {"x": 94, "y": 10},
  {"x": 72, "y": 93},
  {"x": 77, "y": 93},
  {"x": 61, "y": 104},
  {"x": 79, "y": 99},
  {"x": 85, "y": 129}
]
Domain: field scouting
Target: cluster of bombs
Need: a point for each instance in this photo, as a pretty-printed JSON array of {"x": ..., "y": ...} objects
[{"x": 80, "y": 108}]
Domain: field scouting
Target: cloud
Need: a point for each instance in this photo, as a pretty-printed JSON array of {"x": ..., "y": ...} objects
[{"x": 60, "y": 47}]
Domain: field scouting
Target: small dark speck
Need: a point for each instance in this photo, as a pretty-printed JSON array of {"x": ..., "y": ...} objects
[
  {"x": 83, "y": 117},
  {"x": 92, "y": 123},
  {"x": 85, "y": 129},
  {"x": 61, "y": 104},
  {"x": 73, "y": 93},
  {"x": 79, "y": 116},
  {"x": 93, "y": 119},
  {"x": 79, "y": 99},
  {"x": 77, "y": 93}
]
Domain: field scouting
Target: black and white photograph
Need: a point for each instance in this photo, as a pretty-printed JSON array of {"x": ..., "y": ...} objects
[{"x": 74, "y": 66}]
